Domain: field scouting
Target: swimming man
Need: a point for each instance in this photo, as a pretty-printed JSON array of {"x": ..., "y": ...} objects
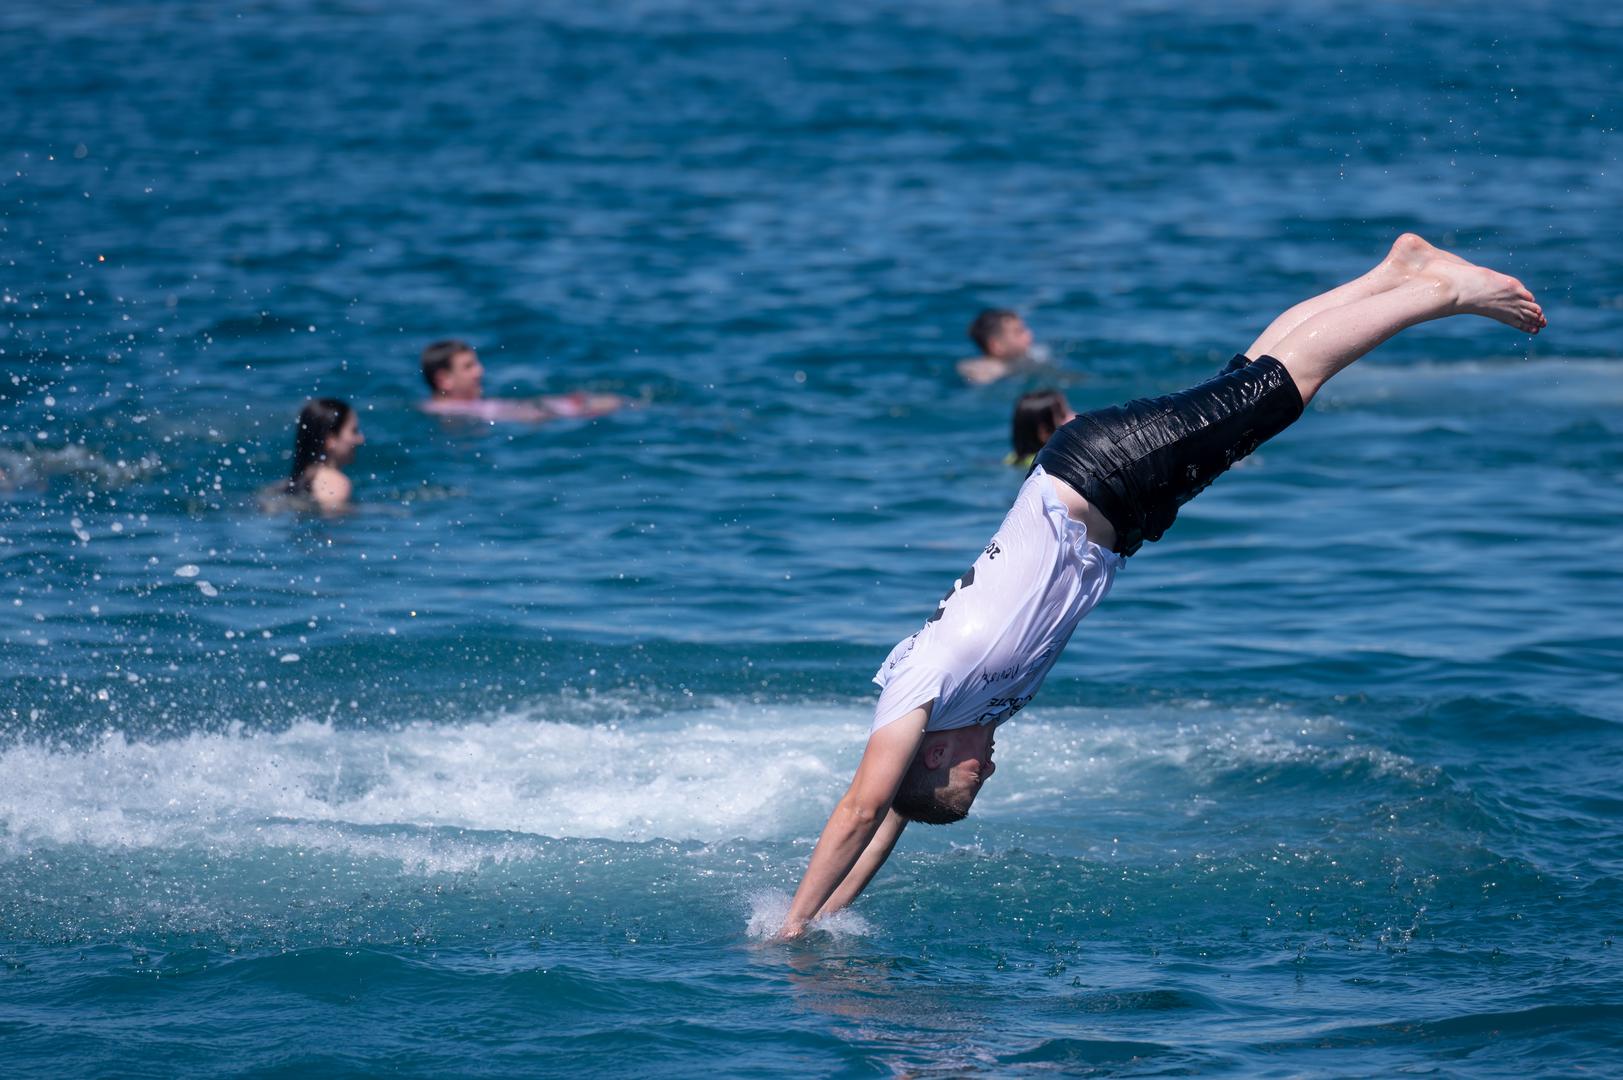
[
  {"x": 1005, "y": 342},
  {"x": 455, "y": 377},
  {"x": 1105, "y": 483}
]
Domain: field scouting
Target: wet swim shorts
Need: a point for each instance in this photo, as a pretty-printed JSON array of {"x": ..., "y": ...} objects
[{"x": 1139, "y": 462}]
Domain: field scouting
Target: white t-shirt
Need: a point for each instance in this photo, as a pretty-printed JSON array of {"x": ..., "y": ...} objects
[{"x": 993, "y": 638}]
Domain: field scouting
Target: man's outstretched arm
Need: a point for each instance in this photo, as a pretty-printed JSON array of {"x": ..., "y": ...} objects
[
  {"x": 856, "y": 821},
  {"x": 873, "y": 857}
]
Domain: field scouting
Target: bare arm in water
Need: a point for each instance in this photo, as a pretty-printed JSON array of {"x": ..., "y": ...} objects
[
  {"x": 873, "y": 857},
  {"x": 862, "y": 829}
]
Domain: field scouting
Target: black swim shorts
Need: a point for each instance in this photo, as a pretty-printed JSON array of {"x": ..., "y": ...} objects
[{"x": 1139, "y": 462}]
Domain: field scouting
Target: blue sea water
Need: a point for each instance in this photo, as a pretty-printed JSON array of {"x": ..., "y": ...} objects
[{"x": 510, "y": 771}]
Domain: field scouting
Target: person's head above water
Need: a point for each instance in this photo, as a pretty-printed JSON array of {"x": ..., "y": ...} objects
[
  {"x": 452, "y": 370},
  {"x": 327, "y": 436},
  {"x": 1000, "y": 334},
  {"x": 946, "y": 774},
  {"x": 1037, "y": 416}
]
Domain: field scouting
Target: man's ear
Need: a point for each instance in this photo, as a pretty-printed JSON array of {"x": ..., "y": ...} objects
[{"x": 934, "y": 753}]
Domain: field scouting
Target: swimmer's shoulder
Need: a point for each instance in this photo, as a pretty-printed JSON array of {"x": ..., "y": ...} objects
[
  {"x": 980, "y": 370},
  {"x": 437, "y": 406},
  {"x": 495, "y": 410},
  {"x": 330, "y": 488}
]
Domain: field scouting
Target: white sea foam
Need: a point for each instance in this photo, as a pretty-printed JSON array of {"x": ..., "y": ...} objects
[
  {"x": 751, "y": 773},
  {"x": 32, "y": 466},
  {"x": 445, "y": 796}
]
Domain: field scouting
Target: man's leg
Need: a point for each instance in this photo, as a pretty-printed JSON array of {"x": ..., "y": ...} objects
[
  {"x": 1331, "y": 336},
  {"x": 1408, "y": 256},
  {"x": 1134, "y": 465}
]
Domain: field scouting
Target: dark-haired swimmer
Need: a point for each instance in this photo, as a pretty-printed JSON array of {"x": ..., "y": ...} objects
[
  {"x": 1105, "y": 483},
  {"x": 1037, "y": 416},
  {"x": 456, "y": 378},
  {"x": 324, "y": 441}
]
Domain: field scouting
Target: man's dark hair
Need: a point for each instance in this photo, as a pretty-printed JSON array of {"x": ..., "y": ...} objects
[
  {"x": 916, "y": 799},
  {"x": 438, "y": 356},
  {"x": 987, "y": 324}
]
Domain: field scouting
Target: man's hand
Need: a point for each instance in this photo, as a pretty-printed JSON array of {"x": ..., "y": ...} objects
[{"x": 792, "y": 930}]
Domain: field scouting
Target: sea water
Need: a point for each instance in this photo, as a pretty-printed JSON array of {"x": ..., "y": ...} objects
[{"x": 512, "y": 770}]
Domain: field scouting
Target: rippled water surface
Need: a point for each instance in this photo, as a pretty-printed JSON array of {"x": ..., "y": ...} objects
[{"x": 508, "y": 772}]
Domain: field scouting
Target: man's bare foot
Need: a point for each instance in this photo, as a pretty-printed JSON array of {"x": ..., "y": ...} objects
[
  {"x": 1476, "y": 290},
  {"x": 1408, "y": 258},
  {"x": 1412, "y": 253}
]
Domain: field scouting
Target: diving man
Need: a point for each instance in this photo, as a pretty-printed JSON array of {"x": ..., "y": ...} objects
[{"x": 1106, "y": 482}]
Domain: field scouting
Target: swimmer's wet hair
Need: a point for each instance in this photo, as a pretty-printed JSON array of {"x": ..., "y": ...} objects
[
  {"x": 438, "y": 356},
  {"x": 318, "y": 420},
  {"x": 916, "y": 799},
  {"x": 1037, "y": 416},
  {"x": 987, "y": 324}
]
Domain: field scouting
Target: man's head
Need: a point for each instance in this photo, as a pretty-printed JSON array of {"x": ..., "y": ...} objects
[
  {"x": 946, "y": 775},
  {"x": 451, "y": 369},
  {"x": 1000, "y": 334}
]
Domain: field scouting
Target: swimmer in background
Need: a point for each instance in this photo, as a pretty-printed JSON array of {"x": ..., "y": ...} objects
[
  {"x": 1037, "y": 416},
  {"x": 1105, "y": 483},
  {"x": 1005, "y": 342},
  {"x": 454, "y": 375},
  {"x": 324, "y": 442}
]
